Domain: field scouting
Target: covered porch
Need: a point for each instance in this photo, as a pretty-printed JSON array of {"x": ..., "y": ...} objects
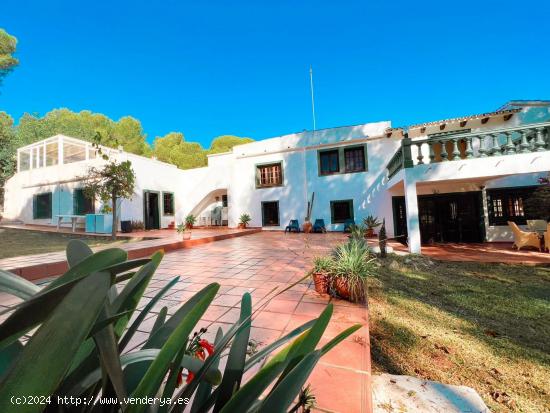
[{"x": 470, "y": 196}]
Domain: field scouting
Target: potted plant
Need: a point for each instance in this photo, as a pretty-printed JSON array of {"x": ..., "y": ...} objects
[
  {"x": 352, "y": 266},
  {"x": 371, "y": 222},
  {"x": 184, "y": 230},
  {"x": 244, "y": 219},
  {"x": 190, "y": 221},
  {"x": 321, "y": 273}
]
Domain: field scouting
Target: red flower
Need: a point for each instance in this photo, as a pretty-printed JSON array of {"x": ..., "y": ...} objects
[
  {"x": 179, "y": 381},
  {"x": 200, "y": 354},
  {"x": 209, "y": 347}
]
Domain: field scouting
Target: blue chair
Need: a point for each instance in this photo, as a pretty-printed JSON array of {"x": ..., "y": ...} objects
[
  {"x": 293, "y": 226},
  {"x": 319, "y": 226},
  {"x": 348, "y": 224}
]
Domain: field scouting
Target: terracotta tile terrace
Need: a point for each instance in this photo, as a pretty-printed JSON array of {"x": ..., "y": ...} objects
[
  {"x": 489, "y": 252},
  {"x": 259, "y": 263},
  {"x": 145, "y": 243}
]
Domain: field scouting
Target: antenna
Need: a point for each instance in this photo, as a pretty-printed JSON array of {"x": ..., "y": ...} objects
[{"x": 312, "y": 98}]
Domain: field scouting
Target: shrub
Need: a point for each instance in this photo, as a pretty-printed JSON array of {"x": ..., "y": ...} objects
[
  {"x": 358, "y": 231},
  {"x": 86, "y": 319},
  {"x": 244, "y": 219},
  {"x": 324, "y": 264},
  {"x": 190, "y": 221},
  {"x": 371, "y": 222},
  {"x": 352, "y": 263}
]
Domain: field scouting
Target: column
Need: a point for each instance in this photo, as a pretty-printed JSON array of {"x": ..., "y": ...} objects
[
  {"x": 411, "y": 206},
  {"x": 485, "y": 205},
  {"x": 539, "y": 140}
]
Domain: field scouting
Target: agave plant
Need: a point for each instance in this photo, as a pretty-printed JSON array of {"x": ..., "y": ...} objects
[{"x": 82, "y": 323}]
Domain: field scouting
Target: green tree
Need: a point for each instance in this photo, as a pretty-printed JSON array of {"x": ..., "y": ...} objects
[
  {"x": 8, "y": 44},
  {"x": 111, "y": 182},
  {"x": 127, "y": 132},
  {"x": 225, "y": 143},
  {"x": 173, "y": 149},
  {"x": 8, "y": 151}
]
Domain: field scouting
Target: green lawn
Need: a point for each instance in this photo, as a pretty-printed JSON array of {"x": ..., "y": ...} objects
[
  {"x": 482, "y": 325},
  {"x": 15, "y": 242}
]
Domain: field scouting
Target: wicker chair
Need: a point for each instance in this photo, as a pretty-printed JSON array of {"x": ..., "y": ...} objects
[{"x": 524, "y": 238}]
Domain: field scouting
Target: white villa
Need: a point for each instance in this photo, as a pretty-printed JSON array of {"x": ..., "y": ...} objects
[{"x": 453, "y": 180}]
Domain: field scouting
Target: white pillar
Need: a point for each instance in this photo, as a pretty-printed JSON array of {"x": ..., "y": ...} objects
[
  {"x": 485, "y": 213},
  {"x": 411, "y": 206}
]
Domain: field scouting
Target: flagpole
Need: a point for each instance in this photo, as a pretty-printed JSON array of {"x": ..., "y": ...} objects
[{"x": 312, "y": 97}]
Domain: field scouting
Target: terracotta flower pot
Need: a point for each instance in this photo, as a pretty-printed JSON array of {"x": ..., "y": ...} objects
[
  {"x": 307, "y": 227},
  {"x": 370, "y": 232},
  {"x": 321, "y": 282},
  {"x": 186, "y": 235},
  {"x": 342, "y": 288},
  {"x": 241, "y": 225}
]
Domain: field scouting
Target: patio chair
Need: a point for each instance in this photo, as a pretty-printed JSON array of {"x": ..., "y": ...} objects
[
  {"x": 294, "y": 225},
  {"x": 547, "y": 237},
  {"x": 524, "y": 238},
  {"x": 319, "y": 226},
  {"x": 348, "y": 224}
]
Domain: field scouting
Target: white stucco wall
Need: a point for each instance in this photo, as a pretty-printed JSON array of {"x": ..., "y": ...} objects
[
  {"x": 234, "y": 174},
  {"x": 298, "y": 154}
]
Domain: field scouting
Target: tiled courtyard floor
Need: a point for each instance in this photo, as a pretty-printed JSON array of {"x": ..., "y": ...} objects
[
  {"x": 37, "y": 266},
  {"x": 258, "y": 263}
]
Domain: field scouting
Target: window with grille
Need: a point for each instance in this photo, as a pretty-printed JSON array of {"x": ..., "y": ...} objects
[
  {"x": 82, "y": 204},
  {"x": 354, "y": 159},
  {"x": 42, "y": 206},
  {"x": 341, "y": 211},
  {"x": 269, "y": 175},
  {"x": 498, "y": 211},
  {"x": 168, "y": 203},
  {"x": 347, "y": 159},
  {"x": 506, "y": 204}
]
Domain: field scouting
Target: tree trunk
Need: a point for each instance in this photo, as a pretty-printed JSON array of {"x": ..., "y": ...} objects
[{"x": 115, "y": 223}]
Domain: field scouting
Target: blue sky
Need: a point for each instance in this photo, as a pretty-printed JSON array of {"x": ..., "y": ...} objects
[{"x": 213, "y": 68}]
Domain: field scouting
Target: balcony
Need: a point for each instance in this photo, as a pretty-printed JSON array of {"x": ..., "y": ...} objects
[{"x": 463, "y": 146}]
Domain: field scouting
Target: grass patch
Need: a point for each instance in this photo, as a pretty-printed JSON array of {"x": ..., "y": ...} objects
[
  {"x": 16, "y": 242},
  {"x": 486, "y": 326}
]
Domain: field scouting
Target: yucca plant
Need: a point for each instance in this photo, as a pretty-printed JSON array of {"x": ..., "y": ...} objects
[{"x": 83, "y": 324}]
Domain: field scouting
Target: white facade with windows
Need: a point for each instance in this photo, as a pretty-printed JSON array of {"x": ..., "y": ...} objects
[{"x": 455, "y": 180}]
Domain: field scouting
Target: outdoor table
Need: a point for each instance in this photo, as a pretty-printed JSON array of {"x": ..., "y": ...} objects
[{"x": 73, "y": 219}]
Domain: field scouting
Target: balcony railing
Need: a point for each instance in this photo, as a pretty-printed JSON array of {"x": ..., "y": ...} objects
[{"x": 452, "y": 147}]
